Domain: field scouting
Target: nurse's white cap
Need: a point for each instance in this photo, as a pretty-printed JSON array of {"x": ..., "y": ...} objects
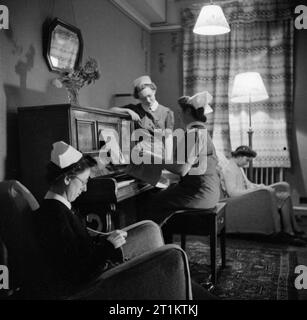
[
  {"x": 64, "y": 155},
  {"x": 201, "y": 100},
  {"x": 141, "y": 81}
]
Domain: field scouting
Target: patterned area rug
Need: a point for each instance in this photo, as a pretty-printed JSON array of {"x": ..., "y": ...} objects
[{"x": 255, "y": 271}]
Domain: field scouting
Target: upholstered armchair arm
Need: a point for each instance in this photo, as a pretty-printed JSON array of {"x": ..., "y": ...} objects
[
  {"x": 281, "y": 187},
  {"x": 143, "y": 237},
  {"x": 254, "y": 212},
  {"x": 157, "y": 275}
]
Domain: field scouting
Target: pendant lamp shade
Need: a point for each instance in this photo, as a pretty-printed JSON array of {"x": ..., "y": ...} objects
[{"x": 211, "y": 21}]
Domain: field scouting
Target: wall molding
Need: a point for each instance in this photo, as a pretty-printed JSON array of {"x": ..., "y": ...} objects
[
  {"x": 137, "y": 17},
  {"x": 129, "y": 11},
  {"x": 166, "y": 28}
]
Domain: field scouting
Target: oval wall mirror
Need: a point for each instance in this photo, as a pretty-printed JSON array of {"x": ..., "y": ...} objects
[{"x": 64, "y": 47}]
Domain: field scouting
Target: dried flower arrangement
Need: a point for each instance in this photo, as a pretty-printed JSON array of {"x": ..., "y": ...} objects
[{"x": 82, "y": 76}]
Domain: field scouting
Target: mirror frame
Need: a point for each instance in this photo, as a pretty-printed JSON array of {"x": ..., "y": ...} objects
[{"x": 70, "y": 29}]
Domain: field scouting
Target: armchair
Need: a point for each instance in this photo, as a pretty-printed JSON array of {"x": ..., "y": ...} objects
[
  {"x": 255, "y": 212},
  {"x": 154, "y": 270}
]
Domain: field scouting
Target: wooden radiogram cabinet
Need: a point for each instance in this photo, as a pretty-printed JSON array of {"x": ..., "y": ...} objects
[{"x": 41, "y": 126}]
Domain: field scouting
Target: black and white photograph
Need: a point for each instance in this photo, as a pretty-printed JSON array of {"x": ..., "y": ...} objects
[{"x": 153, "y": 151}]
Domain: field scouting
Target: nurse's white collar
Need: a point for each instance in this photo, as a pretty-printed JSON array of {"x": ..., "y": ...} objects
[
  {"x": 55, "y": 196},
  {"x": 153, "y": 107}
]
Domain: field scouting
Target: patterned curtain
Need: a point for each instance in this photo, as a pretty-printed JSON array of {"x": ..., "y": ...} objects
[{"x": 261, "y": 40}]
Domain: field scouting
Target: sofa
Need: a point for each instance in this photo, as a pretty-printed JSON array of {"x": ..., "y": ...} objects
[{"x": 154, "y": 271}]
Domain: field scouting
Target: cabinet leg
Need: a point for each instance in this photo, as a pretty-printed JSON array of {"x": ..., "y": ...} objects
[
  {"x": 223, "y": 247},
  {"x": 213, "y": 240}
]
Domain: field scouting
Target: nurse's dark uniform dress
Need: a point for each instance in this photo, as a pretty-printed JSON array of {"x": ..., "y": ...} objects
[
  {"x": 160, "y": 118},
  {"x": 199, "y": 188},
  {"x": 68, "y": 250}
]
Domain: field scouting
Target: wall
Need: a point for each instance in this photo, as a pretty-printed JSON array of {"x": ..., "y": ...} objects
[
  {"x": 297, "y": 176},
  {"x": 120, "y": 45},
  {"x": 2, "y": 113}
]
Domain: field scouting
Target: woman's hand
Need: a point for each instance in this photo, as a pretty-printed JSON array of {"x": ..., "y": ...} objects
[
  {"x": 117, "y": 238},
  {"x": 134, "y": 116}
]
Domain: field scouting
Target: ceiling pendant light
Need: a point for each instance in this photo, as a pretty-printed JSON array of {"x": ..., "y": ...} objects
[{"x": 211, "y": 21}]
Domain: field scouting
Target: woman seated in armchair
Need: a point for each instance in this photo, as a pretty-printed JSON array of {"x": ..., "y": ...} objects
[
  {"x": 236, "y": 183},
  {"x": 75, "y": 257}
]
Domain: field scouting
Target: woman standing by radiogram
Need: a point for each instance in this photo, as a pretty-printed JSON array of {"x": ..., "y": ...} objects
[
  {"x": 157, "y": 123},
  {"x": 149, "y": 113}
]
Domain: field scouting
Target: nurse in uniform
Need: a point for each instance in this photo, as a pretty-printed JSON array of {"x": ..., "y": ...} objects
[
  {"x": 199, "y": 186},
  {"x": 154, "y": 118},
  {"x": 148, "y": 114}
]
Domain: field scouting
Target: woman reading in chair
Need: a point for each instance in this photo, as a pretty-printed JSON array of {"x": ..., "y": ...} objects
[
  {"x": 237, "y": 184},
  {"x": 199, "y": 185},
  {"x": 73, "y": 255}
]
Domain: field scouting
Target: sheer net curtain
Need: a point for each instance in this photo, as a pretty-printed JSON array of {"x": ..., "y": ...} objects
[{"x": 261, "y": 40}]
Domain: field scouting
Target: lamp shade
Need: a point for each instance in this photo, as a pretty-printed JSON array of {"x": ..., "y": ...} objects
[
  {"x": 211, "y": 21},
  {"x": 248, "y": 87}
]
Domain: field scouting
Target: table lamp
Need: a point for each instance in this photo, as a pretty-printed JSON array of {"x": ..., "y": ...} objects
[{"x": 248, "y": 87}]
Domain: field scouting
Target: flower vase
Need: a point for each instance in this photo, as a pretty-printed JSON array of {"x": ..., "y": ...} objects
[{"x": 73, "y": 95}]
